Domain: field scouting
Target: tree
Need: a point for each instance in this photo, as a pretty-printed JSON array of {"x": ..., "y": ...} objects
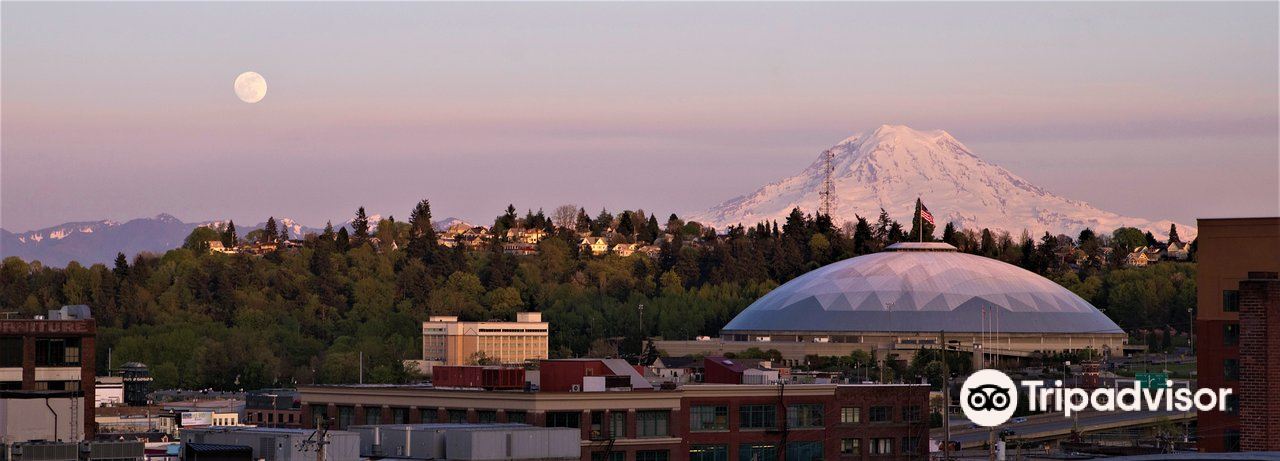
[
  {"x": 422, "y": 236},
  {"x": 1173, "y": 234},
  {"x": 270, "y": 232},
  {"x": 343, "y": 240},
  {"x": 229, "y": 237},
  {"x": 507, "y": 220},
  {"x": 988, "y": 245},
  {"x": 121, "y": 269},
  {"x": 919, "y": 225},
  {"x": 360, "y": 227},
  {"x": 603, "y": 223},
  {"x": 565, "y": 216},
  {"x": 583, "y": 222},
  {"x": 625, "y": 227},
  {"x": 1150, "y": 239},
  {"x": 949, "y": 234},
  {"x": 862, "y": 237},
  {"x": 199, "y": 238}
]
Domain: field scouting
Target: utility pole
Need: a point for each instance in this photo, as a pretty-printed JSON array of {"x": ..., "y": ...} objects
[{"x": 946, "y": 399}]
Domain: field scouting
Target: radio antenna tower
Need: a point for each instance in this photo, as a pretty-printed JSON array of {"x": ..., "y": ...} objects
[{"x": 828, "y": 183}]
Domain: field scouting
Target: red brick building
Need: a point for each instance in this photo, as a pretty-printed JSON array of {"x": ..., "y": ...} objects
[
  {"x": 1236, "y": 348},
  {"x": 1259, "y": 386},
  {"x": 695, "y": 422},
  {"x": 55, "y": 355}
]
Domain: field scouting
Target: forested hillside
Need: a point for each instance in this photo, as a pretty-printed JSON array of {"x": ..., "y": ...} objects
[{"x": 303, "y": 315}]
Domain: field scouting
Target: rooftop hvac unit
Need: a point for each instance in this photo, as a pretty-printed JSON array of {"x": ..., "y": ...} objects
[{"x": 575, "y": 388}]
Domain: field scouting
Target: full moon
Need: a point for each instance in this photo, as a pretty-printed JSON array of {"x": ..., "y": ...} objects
[{"x": 251, "y": 87}]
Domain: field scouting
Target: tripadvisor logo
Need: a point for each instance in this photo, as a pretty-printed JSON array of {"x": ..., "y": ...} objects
[{"x": 989, "y": 398}]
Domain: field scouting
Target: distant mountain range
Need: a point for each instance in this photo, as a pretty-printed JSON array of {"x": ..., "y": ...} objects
[
  {"x": 893, "y": 165},
  {"x": 91, "y": 242}
]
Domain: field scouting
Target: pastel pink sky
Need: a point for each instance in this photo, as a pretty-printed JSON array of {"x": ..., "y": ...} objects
[{"x": 116, "y": 111}]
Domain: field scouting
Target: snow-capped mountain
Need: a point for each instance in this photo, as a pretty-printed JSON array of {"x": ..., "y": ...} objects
[
  {"x": 893, "y": 165},
  {"x": 446, "y": 223}
]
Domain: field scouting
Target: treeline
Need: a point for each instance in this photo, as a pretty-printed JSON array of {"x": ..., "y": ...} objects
[{"x": 304, "y": 315}]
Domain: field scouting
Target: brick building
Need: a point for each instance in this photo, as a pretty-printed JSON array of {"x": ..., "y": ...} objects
[
  {"x": 629, "y": 421},
  {"x": 1235, "y": 330},
  {"x": 51, "y": 355},
  {"x": 277, "y": 408},
  {"x": 1260, "y": 362}
]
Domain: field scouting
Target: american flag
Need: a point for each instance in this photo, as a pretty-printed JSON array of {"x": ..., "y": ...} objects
[{"x": 925, "y": 214}]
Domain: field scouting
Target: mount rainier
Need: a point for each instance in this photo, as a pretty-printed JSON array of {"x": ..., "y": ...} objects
[{"x": 891, "y": 166}]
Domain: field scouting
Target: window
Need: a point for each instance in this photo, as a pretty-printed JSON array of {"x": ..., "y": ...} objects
[
  {"x": 10, "y": 352},
  {"x": 1231, "y": 440},
  {"x": 613, "y": 456},
  {"x": 57, "y": 352},
  {"x": 757, "y": 452},
  {"x": 652, "y": 423},
  {"x": 399, "y": 415},
  {"x": 850, "y": 415},
  {"x": 1231, "y": 369},
  {"x": 516, "y": 417},
  {"x": 373, "y": 415},
  {"x": 708, "y": 418},
  {"x": 429, "y": 415},
  {"x": 911, "y": 413},
  {"x": 346, "y": 416},
  {"x": 487, "y": 416},
  {"x": 804, "y": 451},
  {"x": 911, "y": 445},
  {"x": 850, "y": 447},
  {"x": 618, "y": 425},
  {"x": 882, "y": 446},
  {"x": 1230, "y": 301},
  {"x": 757, "y": 416},
  {"x": 457, "y": 416},
  {"x": 879, "y": 414},
  {"x": 1233, "y": 404},
  {"x": 564, "y": 419},
  {"x": 652, "y": 455},
  {"x": 806, "y": 415},
  {"x": 708, "y": 453},
  {"x": 1231, "y": 334}
]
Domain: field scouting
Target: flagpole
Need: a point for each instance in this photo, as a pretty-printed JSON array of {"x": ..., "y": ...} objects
[{"x": 920, "y": 218}]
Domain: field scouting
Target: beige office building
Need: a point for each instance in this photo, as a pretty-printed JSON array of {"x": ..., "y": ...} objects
[{"x": 450, "y": 342}]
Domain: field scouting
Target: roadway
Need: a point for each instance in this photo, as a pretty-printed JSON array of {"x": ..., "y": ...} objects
[{"x": 1043, "y": 427}]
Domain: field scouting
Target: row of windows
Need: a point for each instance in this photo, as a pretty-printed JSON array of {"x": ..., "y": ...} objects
[
  {"x": 55, "y": 352},
  {"x": 796, "y": 451},
  {"x": 704, "y": 418}
]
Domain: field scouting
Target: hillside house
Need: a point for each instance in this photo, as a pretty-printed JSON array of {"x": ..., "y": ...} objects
[
  {"x": 519, "y": 248},
  {"x": 596, "y": 245},
  {"x": 625, "y": 249}
]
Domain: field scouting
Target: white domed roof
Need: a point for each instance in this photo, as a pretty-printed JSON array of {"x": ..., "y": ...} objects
[{"x": 920, "y": 287}]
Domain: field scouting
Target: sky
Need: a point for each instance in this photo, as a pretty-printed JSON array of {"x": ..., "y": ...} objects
[{"x": 126, "y": 110}]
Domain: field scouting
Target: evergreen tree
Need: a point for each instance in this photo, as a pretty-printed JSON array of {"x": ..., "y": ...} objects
[
  {"x": 603, "y": 223},
  {"x": 283, "y": 233},
  {"x": 360, "y": 227},
  {"x": 674, "y": 224},
  {"x": 1151, "y": 239},
  {"x": 229, "y": 237},
  {"x": 949, "y": 234},
  {"x": 583, "y": 221},
  {"x": 881, "y": 231},
  {"x": 122, "y": 266},
  {"x": 862, "y": 237},
  {"x": 343, "y": 241},
  {"x": 895, "y": 233},
  {"x": 1173, "y": 234},
  {"x": 917, "y": 224},
  {"x": 625, "y": 227},
  {"x": 422, "y": 236},
  {"x": 271, "y": 232},
  {"x": 650, "y": 231},
  {"x": 508, "y": 220},
  {"x": 1086, "y": 235},
  {"x": 988, "y": 245}
]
